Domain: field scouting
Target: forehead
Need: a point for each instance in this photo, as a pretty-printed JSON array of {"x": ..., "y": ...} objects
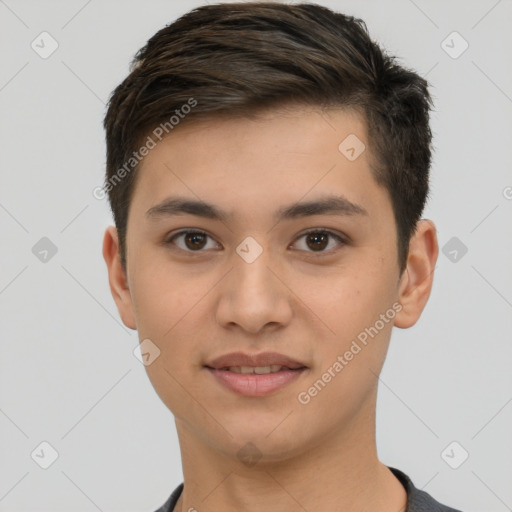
[
  {"x": 274, "y": 158},
  {"x": 284, "y": 133}
]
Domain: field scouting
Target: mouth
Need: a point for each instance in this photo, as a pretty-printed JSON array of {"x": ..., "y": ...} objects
[
  {"x": 255, "y": 375},
  {"x": 266, "y": 361},
  {"x": 258, "y": 370}
]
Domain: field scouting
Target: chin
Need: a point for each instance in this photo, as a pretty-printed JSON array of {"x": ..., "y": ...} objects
[{"x": 260, "y": 443}]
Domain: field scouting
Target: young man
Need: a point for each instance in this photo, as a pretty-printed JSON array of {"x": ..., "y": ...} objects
[{"x": 267, "y": 168}]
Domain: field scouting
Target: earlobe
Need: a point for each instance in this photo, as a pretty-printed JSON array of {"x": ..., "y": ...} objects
[
  {"x": 117, "y": 277},
  {"x": 417, "y": 279}
]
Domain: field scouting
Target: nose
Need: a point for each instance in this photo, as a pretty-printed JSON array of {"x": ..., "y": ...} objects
[{"x": 253, "y": 296}]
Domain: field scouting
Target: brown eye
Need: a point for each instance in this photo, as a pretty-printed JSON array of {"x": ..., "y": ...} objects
[
  {"x": 195, "y": 240},
  {"x": 192, "y": 241},
  {"x": 319, "y": 241}
]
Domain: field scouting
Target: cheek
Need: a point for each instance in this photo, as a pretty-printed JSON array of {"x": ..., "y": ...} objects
[
  {"x": 163, "y": 296},
  {"x": 168, "y": 307},
  {"x": 347, "y": 306},
  {"x": 343, "y": 301}
]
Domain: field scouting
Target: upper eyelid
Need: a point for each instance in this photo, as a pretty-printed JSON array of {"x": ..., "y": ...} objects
[{"x": 341, "y": 238}]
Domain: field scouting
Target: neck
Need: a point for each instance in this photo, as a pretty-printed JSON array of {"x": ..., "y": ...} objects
[{"x": 338, "y": 472}]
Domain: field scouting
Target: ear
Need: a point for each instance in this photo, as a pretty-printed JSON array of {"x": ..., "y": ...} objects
[
  {"x": 416, "y": 281},
  {"x": 117, "y": 277}
]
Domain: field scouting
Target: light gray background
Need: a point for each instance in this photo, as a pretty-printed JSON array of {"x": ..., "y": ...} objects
[{"x": 68, "y": 375}]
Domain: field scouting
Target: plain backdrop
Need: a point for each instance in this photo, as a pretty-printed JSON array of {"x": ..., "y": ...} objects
[{"x": 68, "y": 374}]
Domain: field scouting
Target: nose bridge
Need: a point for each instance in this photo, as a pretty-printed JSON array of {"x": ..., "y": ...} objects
[
  {"x": 252, "y": 280},
  {"x": 252, "y": 296},
  {"x": 254, "y": 275}
]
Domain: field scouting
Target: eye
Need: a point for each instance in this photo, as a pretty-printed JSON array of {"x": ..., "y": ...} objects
[
  {"x": 317, "y": 240},
  {"x": 191, "y": 241}
]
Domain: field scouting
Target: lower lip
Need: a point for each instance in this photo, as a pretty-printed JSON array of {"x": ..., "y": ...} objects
[{"x": 253, "y": 384}]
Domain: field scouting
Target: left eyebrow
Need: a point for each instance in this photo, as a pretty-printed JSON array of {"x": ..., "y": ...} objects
[{"x": 327, "y": 205}]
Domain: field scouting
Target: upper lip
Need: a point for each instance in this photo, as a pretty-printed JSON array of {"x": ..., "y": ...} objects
[{"x": 261, "y": 359}]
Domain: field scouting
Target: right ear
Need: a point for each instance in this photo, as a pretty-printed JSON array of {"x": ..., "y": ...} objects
[
  {"x": 417, "y": 279},
  {"x": 117, "y": 277}
]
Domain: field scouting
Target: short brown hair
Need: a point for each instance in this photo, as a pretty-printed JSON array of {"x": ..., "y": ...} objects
[{"x": 239, "y": 58}]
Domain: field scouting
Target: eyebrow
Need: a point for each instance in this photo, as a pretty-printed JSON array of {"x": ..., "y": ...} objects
[{"x": 328, "y": 205}]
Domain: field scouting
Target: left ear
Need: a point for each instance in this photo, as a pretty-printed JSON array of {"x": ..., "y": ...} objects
[{"x": 416, "y": 281}]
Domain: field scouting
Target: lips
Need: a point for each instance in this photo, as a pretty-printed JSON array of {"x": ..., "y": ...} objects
[
  {"x": 255, "y": 375},
  {"x": 262, "y": 360}
]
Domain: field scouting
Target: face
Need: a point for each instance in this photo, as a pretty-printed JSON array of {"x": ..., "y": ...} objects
[{"x": 260, "y": 271}]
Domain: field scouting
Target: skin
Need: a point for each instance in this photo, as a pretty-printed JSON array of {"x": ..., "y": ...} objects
[{"x": 293, "y": 299}]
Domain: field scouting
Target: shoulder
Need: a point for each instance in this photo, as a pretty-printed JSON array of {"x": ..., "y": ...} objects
[
  {"x": 169, "y": 505},
  {"x": 418, "y": 500}
]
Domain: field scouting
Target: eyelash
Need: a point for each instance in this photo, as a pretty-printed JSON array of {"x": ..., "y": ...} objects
[{"x": 331, "y": 234}]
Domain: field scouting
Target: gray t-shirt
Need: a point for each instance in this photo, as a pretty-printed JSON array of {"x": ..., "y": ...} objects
[{"x": 417, "y": 500}]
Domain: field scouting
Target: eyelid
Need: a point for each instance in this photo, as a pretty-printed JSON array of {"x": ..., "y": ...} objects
[
  {"x": 342, "y": 239},
  {"x": 169, "y": 239}
]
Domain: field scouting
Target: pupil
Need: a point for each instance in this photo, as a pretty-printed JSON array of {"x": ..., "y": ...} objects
[
  {"x": 195, "y": 240},
  {"x": 319, "y": 240}
]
